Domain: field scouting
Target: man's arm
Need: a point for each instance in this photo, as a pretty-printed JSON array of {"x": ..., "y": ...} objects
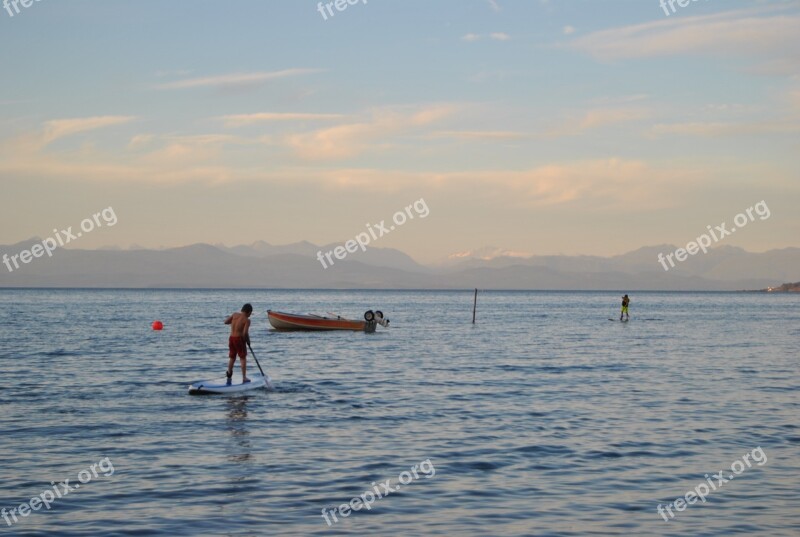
[
  {"x": 229, "y": 320},
  {"x": 246, "y": 331}
]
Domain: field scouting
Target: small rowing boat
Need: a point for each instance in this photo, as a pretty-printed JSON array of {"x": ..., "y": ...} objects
[{"x": 331, "y": 321}]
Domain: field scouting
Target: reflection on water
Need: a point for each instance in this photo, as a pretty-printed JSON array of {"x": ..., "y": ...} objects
[{"x": 241, "y": 445}]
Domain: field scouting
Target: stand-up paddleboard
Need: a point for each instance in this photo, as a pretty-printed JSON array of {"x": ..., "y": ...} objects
[
  {"x": 236, "y": 386},
  {"x": 620, "y": 320}
]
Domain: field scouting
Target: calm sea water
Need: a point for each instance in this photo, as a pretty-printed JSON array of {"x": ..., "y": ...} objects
[{"x": 544, "y": 418}]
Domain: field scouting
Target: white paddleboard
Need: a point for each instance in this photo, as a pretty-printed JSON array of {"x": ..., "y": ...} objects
[{"x": 236, "y": 386}]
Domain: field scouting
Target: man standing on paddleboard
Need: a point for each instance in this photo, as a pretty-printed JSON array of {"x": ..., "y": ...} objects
[
  {"x": 238, "y": 341},
  {"x": 625, "y": 302}
]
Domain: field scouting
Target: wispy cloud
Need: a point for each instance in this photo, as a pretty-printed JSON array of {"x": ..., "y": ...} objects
[
  {"x": 235, "y": 80},
  {"x": 205, "y": 159},
  {"x": 351, "y": 139},
  {"x": 602, "y": 181},
  {"x": 481, "y": 135},
  {"x": 596, "y": 184},
  {"x": 242, "y": 120},
  {"x": 169, "y": 160},
  {"x": 495, "y": 36},
  {"x": 601, "y": 117},
  {"x": 733, "y": 33},
  {"x": 59, "y": 128},
  {"x": 714, "y": 129},
  {"x": 608, "y": 116},
  {"x": 140, "y": 140}
]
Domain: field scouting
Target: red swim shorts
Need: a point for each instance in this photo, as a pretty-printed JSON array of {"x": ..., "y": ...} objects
[{"x": 236, "y": 345}]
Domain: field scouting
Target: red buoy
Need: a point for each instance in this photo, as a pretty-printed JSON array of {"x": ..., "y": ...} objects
[{"x": 158, "y": 325}]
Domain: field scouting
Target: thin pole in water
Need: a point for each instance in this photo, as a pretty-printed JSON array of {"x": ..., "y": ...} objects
[{"x": 474, "y": 306}]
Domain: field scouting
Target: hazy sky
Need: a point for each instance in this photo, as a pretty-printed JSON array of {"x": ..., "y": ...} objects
[{"x": 542, "y": 127}]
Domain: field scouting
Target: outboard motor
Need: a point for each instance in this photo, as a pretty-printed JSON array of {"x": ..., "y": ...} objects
[
  {"x": 381, "y": 321},
  {"x": 374, "y": 318}
]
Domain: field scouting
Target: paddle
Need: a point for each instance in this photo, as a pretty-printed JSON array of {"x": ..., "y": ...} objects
[{"x": 256, "y": 359}]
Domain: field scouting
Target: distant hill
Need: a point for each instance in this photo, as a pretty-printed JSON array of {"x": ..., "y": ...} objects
[
  {"x": 378, "y": 257},
  {"x": 262, "y": 265},
  {"x": 785, "y": 288}
]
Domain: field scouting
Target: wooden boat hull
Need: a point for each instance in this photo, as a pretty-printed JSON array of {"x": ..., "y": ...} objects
[{"x": 292, "y": 321}]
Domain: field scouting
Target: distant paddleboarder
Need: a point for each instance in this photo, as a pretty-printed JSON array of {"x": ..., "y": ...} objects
[
  {"x": 238, "y": 340},
  {"x": 625, "y": 302}
]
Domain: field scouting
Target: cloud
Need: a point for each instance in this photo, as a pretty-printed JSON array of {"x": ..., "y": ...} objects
[
  {"x": 173, "y": 164},
  {"x": 601, "y": 117},
  {"x": 149, "y": 158},
  {"x": 187, "y": 151},
  {"x": 242, "y": 120},
  {"x": 495, "y": 36},
  {"x": 205, "y": 160},
  {"x": 140, "y": 140},
  {"x": 235, "y": 80},
  {"x": 202, "y": 157},
  {"x": 599, "y": 181},
  {"x": 609, "y": 116},
  {"x": 568, "y": 30},
  {"x": 351, "y": 139},
  {"x": 205, "y": 139},
  {"x": 494, "y": 5},
  {"x": 481, "y": 135},
  {"x": 59, "y": 128},
  {"x": 593, "y": 184},
  {"x": 725, "y": 34},
  {"x": 714, "y": 129}
]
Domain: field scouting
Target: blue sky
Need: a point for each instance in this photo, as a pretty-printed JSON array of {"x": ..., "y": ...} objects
[{"x": 538, "y": 127}]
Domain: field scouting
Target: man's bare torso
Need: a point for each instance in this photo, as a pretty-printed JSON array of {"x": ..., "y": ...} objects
[{"x": 239, "y": 324}]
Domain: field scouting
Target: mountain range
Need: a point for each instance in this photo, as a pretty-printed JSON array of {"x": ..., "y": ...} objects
[{"x": 262, "y": 265}]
